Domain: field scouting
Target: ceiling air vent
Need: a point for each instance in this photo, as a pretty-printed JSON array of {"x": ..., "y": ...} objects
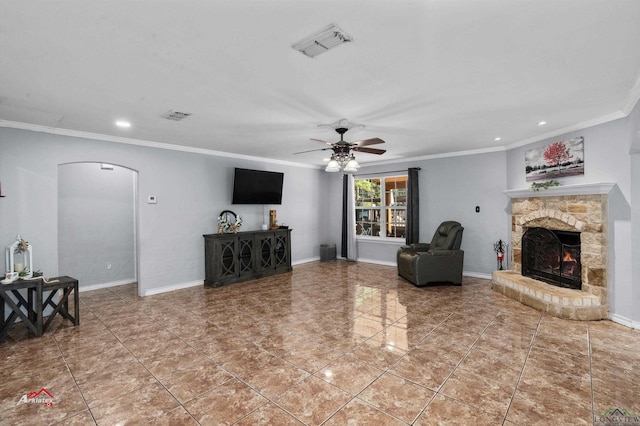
[
  {"x": 325, "y": 39},
  {"x": 175, "y": 115}
]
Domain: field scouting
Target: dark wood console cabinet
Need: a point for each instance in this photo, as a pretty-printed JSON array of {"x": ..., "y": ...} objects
[{"x": 231, "y": 258}]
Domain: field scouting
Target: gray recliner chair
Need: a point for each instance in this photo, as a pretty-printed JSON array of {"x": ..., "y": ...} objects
[{"x": 438, "y": 261}]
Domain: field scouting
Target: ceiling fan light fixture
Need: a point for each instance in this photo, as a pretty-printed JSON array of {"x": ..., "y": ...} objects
[
  {"x": 331, "y": 168},
  {"x": 352, "y": 165},
  {"x": 333, "y": 165},
  {"x": 322, "y": 41}
]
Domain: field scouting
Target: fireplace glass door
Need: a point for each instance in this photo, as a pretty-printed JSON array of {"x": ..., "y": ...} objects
[{"x": 552, "y": 256}]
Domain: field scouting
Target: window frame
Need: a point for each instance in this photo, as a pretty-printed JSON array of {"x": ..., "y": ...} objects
[{"x": 384, "y": 209}]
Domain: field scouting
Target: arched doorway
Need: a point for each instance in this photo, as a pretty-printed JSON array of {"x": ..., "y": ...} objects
[{"x": 97, "y": 222}]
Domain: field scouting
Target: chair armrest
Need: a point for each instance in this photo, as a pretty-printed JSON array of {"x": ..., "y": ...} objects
[
  {"x": 441, "y": 252},
  {"x": 420, "y": 246}
]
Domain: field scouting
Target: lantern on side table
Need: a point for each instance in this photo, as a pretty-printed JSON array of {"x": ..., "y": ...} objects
[{"x": 20, "y": 267}]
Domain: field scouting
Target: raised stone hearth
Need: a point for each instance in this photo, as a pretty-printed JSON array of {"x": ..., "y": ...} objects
[
  {"x": 578, "y": 208},
  {"x": 557, "y": 301}
]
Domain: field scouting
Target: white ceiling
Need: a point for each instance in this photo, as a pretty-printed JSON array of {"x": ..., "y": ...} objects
[{"x": 428, "y": 77}]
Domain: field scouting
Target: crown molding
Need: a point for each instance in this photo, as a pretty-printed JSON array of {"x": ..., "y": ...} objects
[
  {"x": 632, "y": 99},
  {"x": 573, "y": 128},
  {"x": 145, "y": 143},
  {"x": 433, "y": 156}
]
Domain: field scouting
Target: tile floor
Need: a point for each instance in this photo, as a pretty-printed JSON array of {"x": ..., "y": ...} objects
[{"x": 331, "y": 343}]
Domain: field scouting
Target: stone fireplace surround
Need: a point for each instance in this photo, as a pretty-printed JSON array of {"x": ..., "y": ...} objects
[{"x": 578, "y": 208}]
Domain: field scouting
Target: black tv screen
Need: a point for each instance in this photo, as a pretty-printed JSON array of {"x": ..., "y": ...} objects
[{"x": 257, "y": 187}]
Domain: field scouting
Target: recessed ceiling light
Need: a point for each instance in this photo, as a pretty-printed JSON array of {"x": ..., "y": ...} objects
[
  {"x": 542, "y": 123},
  {"x": 497, "y": 139},
  {"x": 123, "y": 124}
]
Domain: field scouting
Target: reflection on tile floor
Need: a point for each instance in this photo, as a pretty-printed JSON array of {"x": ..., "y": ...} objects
[{"x": 330, "y": 343}]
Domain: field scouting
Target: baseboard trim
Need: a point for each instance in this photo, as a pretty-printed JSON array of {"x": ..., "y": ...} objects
[
  {"x": 172, "y": 287},
  {"x": 90, "y": 287},
  {"x": 307, "y": 260},
  {"x": 377, "y": 262},
  {"x": 624, "y": 321},
  {"x": 476, "y": 275}
]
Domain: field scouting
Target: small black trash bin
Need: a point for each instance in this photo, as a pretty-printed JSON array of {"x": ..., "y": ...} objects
[{"x": 327, "y": 252}]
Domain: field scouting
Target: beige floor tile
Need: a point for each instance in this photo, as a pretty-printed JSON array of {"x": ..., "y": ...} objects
[
  {"x": 478, "y": 391},
  {"x": 527, "y": 411},
  {"x": 225, "y": 404},
  {"x": 177, "y": 416},
  {"x": 267, "y": 415},
  {"x": 140, "y": 406},
  {"x": 358, "y": 412},
  {"x": 397, "y": 397},
  {"x": 554, "y": 361},
  {"x": 447, "y": 411},
  {"x": 104, "y": 387},
  {"x": 274, "y": 378},
  {"x": 310, "y": 356},
  {"x": 313, "y": 400},
  {"x": 349, "y": 374},
  {"x": 560, "y": 387},
  {"x": 562, "y": 344},
  {"x": 244, "y": 360},
  {"x": 423, "y": 371},
  {"x": 495, "y": 369},
  {"x": 199, "y": 377}
]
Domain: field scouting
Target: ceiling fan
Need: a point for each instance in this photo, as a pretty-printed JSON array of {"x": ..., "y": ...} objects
[{"x": 343, "y": 156}]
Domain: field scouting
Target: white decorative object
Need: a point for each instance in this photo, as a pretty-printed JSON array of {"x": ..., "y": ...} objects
[{"x": 22, "y": 269}]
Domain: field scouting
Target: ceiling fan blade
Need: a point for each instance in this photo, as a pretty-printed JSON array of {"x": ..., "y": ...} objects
[
  {"x": 321, "y": 141},
  {"x": 365, "y": 142},
  {"x": 369, "y": 150},
  {"x": 311, "y": 150}
]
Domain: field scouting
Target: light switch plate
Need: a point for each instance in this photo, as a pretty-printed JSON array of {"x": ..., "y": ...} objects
[{"x": 151, "y": 199}]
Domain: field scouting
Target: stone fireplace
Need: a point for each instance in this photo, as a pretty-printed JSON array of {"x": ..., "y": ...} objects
[{"x": 560, "y": 266}]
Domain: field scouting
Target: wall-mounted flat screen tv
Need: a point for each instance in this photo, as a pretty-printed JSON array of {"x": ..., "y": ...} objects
[{"x": 257, "y": 187}]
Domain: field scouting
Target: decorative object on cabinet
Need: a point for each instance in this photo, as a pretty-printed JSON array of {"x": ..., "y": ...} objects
[
  {"x": 23, "y": 268},
  {"x": 230, "y": 258},
  {"x": 273, "y": 223},
  {"x": 228, "y": 222}
]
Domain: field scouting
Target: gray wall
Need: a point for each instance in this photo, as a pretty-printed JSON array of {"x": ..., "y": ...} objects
[
  {"x": 96, "y": 223},
  {"x": 191, "y": 190}
]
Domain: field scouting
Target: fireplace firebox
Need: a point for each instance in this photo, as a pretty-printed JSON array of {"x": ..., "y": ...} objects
[{"x": 552, "y": 256}]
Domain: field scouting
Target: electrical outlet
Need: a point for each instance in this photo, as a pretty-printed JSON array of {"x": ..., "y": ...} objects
[{"x": 108, "y": 265}]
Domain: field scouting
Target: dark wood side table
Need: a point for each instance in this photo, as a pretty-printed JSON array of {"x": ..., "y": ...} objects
[
  {"x": 33, "y": 317},
  {"x": 35, "y": 304},
  {"x": 67, "y": 285}
]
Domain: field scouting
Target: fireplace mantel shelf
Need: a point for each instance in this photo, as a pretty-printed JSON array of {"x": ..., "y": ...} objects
[{"x": 580, "y": 189}]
